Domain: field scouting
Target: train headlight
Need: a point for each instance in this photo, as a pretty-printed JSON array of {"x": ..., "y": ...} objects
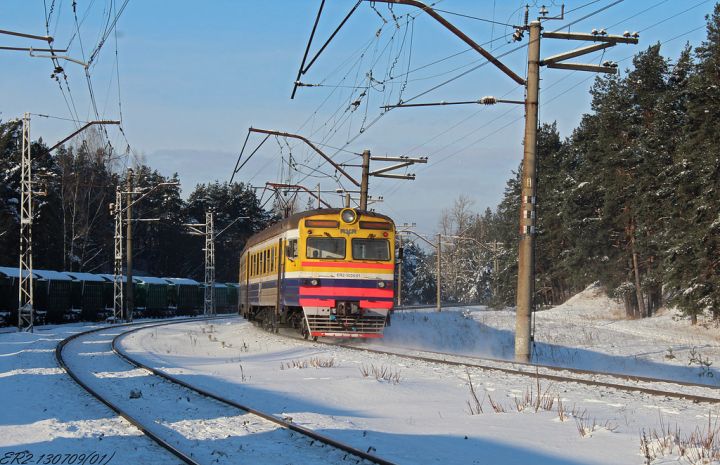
[
  {"x": 349, "y": 215},
  {"x": 381, "y": 284}
]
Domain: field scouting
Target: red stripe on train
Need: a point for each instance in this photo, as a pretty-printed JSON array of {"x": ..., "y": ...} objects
[
  {"x": 337, "y": 291},
  {"x": 382, "y": 266},
  {"x": 360, "y": 335},
  {"x": 331, "y": 303}
]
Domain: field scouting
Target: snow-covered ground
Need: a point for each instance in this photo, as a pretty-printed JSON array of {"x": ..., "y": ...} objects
[
  {"x": 408, "y": 411},
  {"x": 588, "y": 331},
  {"x": 44, "y": 414}
]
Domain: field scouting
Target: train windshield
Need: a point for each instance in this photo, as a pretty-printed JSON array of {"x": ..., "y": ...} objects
[
  {"x": 325, "y": 247},
  {"x": 371, "y": 249}
]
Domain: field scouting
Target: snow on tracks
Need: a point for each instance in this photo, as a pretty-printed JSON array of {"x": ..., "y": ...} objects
[{"x": 195, "y": 427}]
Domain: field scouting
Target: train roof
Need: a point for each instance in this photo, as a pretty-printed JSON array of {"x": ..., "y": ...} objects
[
  {"x": 150, "y": 280},
  {"x": 51, "y": 275},
  {"x": 123, "y": 278},
  {"x": 11, "y": 271},
  {"x": 90, "y": 277},
  {"x": 182, "y": 281},
  {"x": 292, "y": 222}
]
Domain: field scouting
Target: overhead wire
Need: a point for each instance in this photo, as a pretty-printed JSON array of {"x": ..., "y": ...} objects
[
  {"x": 547, "y": 102},
  {"x": 490, "y": 21}
]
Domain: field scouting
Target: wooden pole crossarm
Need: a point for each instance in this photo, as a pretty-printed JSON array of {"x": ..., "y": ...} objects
[
  {"x": 232, "y": 223},
  {"x": 395, "y": 176},
  {"x": 312, "y": 146},
  {"x": 576, "y": 53},
  {"x": 193, "y": 229},
  {"x": 307, "y": 50},
  {"x": 427, "y": 9},
  {"x": 391, "y": 168},
  {"x": 47, "y": 39},
  {"x": 584, "y": 67},
  {"x": 434, "y": 246},
  {"x": 590, "y": 37},
  {"x": 146, "y": 193},
  {"x": 297, "y": 186},
  {"x": 401, "y": 159},
  {"x": 33, "y": 49},
  {"x": 59, "y": 57},
  {"x": 79, "y": 131},
  {"x": 482, "y": 101}
]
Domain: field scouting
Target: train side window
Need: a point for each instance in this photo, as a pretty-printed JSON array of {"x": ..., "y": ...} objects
[{"x": 291, "y": 250}]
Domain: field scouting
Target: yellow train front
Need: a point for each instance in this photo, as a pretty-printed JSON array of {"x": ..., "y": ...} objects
[{"x": 334, "y": 269}]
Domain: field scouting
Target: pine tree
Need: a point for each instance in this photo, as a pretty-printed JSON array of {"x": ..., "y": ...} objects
[{"x": 693, "y": 263}]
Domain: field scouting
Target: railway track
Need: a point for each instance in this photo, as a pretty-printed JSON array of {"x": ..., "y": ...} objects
[
  {"x": 628, "y": 383},
  {"x": 257, "y": 433}
]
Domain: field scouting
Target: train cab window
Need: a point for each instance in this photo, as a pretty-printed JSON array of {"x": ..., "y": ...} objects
[
  {"x": 325, "y": 247},
  {"x": 371, "y": 249}
]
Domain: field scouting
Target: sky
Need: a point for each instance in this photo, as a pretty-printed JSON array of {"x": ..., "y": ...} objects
[{"x": 188, "y": 79}]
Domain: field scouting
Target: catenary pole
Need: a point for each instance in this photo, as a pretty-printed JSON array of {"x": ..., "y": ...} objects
[
  {"x": 400, "y": 258},
  {"x": 130, "y": 303},
  {"x": 365, "y": 180},
  {"x": 439, "y": 270},
  {"x": 526, "y": 269},
  {"x": 118, "y": 258},
  {"x": 26, "y": 312}
]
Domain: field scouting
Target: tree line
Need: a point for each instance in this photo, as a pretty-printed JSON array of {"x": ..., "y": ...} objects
[
  {"x": 631, "y": 199},
  {"x": 73, "y": 228}
]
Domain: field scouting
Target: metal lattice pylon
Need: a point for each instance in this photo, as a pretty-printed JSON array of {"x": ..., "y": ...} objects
[
  {"x": 25, "y": 298},
  {"x": 118, "y": 260},
  {"x": 209, "y": 303}
]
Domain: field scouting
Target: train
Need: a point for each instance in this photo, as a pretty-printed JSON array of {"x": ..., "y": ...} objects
[
  {"x": 325, "y": 272},
  {"x": 74, "y": 296}
]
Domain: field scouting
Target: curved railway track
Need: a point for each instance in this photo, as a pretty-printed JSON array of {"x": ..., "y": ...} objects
[
  {"x": 534, "y": 371},
  {"x": 150, "y": 430}
]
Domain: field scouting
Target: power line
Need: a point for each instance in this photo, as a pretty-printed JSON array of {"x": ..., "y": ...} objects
[
  {"x": 490, "y": 21},
  {"x": 515, "y": 120}
]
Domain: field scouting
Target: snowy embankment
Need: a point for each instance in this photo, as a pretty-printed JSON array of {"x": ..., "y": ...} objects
[{"x": 587, "y": 332}]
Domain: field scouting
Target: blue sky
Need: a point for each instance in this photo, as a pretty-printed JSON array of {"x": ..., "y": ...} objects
[{"x": 195, "y": 75}]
